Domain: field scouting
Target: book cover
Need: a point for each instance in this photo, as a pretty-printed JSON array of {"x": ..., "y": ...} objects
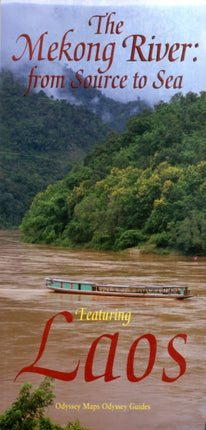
[{"x": 86, "y": 114}]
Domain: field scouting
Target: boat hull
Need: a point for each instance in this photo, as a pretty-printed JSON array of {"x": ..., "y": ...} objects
[{"x": 86, "y": 288}]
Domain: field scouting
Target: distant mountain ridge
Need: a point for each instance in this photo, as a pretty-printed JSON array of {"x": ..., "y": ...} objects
[
  {"x": 42, "y": 138},
  {"x": 112, "y": 112}
]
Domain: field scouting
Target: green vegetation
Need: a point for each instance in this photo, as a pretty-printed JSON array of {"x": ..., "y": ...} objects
[
  {"x": 41, "y": 139},
  {"x": 27, "y": 412},
  {"x": 144, "y": 187},
  {"x": 112, "y": 112}
]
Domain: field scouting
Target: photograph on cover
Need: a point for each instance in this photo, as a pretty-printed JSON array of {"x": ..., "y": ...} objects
[{"x": 103, "y": 214}]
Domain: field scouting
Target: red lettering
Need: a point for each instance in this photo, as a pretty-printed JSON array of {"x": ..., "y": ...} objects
[
  {"x": 123, "y": 81},
  {"x": 178, "y": 82},
  {"x": 99, "y": 21},
  {"x": 130, "y": 361},
  {"x": 65, "y": 47},
  {"x": 135, "y": 46},
  {"x": 115, "y": 85},
  {"x": 155, "y": 51},
  {"x": 53, "y": 47},
  {"x": 177, "y": 357},
  {"x": 108, "y": 26},
  {"x": 97, "y": 48},
  {"x": 151, "y": 45},
  {"x": 63, "y": 376},
  {"x": 173, "y": 49},
  {"x": 185, "y": 46},
  {"x": 44, "y": 81},
  {"x": 29, "y": 44},
  {"x": 169, "y": 82},
  {"x": 160, "y": 79},
  {"x": 97, "y": 81},
  {"x": 88, "y": 81},
  {"x": 79, "y": 51},
  {"x": 108, "y": 375},
  {"x": 106, "y": 57},
  {"x": 159, "y": 48}
]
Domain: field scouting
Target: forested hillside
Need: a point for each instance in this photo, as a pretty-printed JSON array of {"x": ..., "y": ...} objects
[
  {"x": 41, "y": 139},
  {"x": 146, "y": 186}
]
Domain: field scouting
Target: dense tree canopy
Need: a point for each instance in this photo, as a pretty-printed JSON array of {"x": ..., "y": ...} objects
[
  {"x": 146, "y": 185},
  {"x": 41, "y": 139},
  {"x": 27, "y": 412}
]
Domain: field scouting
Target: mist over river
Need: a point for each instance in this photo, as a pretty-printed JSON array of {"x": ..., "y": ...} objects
[{"x": 151, "y": 403}]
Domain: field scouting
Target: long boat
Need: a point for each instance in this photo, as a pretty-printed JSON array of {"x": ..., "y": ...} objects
[{"x": 91, "y": 288}]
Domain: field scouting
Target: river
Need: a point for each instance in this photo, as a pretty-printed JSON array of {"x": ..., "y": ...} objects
[{"x": 151, "y": 403}]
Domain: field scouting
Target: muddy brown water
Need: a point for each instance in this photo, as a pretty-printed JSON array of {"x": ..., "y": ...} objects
[{"x": 151, "y": 403}]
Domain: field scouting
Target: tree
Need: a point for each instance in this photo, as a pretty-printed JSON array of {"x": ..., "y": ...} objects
[
  {"x": 145, "y": 184},
  {"x": 28, "y": 407},
  {"x": 191, "y": 234},
  {"x": 26, "y": 413}
]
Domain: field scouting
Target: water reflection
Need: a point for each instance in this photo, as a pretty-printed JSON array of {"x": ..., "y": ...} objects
[{"x": 26, "y": 306}]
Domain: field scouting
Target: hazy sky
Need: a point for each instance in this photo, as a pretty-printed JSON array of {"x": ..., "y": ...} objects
[{"x": 156, "y": 50}]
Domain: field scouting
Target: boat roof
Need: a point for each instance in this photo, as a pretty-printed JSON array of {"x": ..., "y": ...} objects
[{"x": 151, "y": 287}]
